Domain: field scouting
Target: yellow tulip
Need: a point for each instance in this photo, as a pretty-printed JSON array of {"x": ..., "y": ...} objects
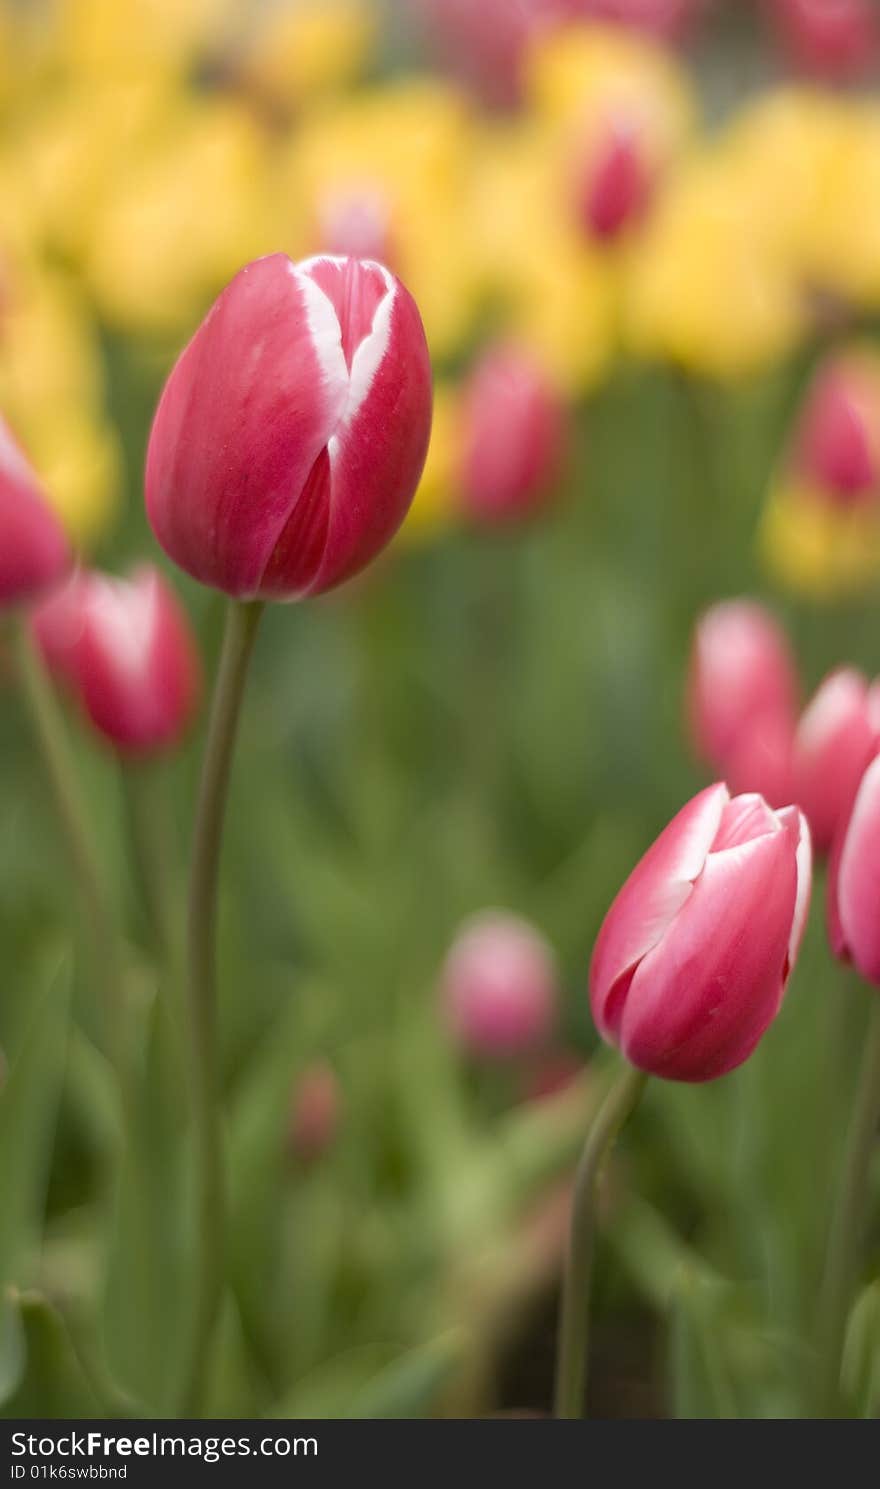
[{"x": 308, "y": 47}]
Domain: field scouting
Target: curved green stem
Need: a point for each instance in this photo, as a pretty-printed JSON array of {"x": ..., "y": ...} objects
[
  {"x": 848, "y": 1222},
  {"x": 241, "y": 629},
  {"x": 574, "y": 1319},
  {"x": 54, "y": 745}
]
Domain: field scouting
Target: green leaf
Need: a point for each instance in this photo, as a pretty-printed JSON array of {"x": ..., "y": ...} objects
[
  {"x": 409, "y": 1385},
  {"x": 860, "y": 1373},
  {"x": 51, "y": 1381},
  {"x": 12, "y": 1348},
  {"x": 28, "y": 1111}
]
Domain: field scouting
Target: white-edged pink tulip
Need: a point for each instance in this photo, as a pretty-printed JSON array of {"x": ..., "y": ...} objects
[
  {"x": 498, "y": 987},
  {"x": 839, "y": 732},
  {"x": 854, "y": 881},
  {"x": 124, "y": 647},
  {"x": 292, "y": 431},
  {"x": 693, "y": 957}
]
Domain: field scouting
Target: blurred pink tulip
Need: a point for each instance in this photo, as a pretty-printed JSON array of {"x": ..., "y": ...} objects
[
  {"x": 498, "y": 987},
  {"x": 34, "y": 553},
  {"x": 837, "y": 439},
  {"x": 832, "y": 39},
  {"x": 356, "y": 223},
  {"x": 513, "y": 435},
  {"x": 854, "y": 881},
  {"x": 693, "y": 957},
  {"x": 292, "y": 431},
  {"x": 838, "y": 734},
  {"x": 665, "y": 18},
  {"x": 315, "y": 1113},
  {"x": 614, "y": 184},
  {"x": 125, "y": 649},
  {"x": 742, "y": 698}
]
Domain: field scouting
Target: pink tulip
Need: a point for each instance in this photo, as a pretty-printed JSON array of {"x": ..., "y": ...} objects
[
  {"x": 614, "y": 184},
  {"x": 292, "y": 431},
  {"x": 832, "y": 39},
  {"x": 837, "y": 439},
  {"x": 315, "y": 1113},
  {"x": 34, "y": 553},
  {"x": 498, "y": 987},
  {"x": 665, "y": 18},
  {"x": 356, "y": 223},
  {"x": 742, "y": 694},
  {"x": 854, "y": 881},
  {"x": 125, "y": 649},
  {"x": 693, "y": 957},
  {"x": 836, "y": 737},
  {"x": 513, "y": 436}
]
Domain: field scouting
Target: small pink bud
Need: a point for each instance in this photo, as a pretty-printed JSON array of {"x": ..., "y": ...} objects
[
  {"x": 838, "y": 734},
  {"x": 854, "y": 881},
  {"x": 291, "y": 433},
  {"x": 514, "y": 428},
  {"x": 315, "y": 1113},
  {"x": 34, "y": 553},
  {"x": 614, "y": 183},
  {"x": 693, "y": 957},
  {"x": 742, "y": 693},
  {"x": 498, "y": 987},
  {"x": 832, "y": 39},
  {"x": 125, "y": 648},
  {"x": 837, "y": 439},
  {"x": 356, "y": 223}
]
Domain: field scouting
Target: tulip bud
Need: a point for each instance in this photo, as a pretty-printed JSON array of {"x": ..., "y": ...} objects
[
  {"x": 356, "y": 223},
  {"x": 498, "y": 987},
  {"x": 832, "y": 39},
  {"x": 854, "y": 881},
  {"x": 693, "y": 957},
  {"x": 741, "y": 698},
  {"x": 614, "y": 183},
  {"x": 838, "y": 734},
  {"x": 292, "y": 431},
  {"x": 315, "y": 1113},
  {"x": 513, "y": 435},
  {"x": 34, "y": 553},
  {"x": 125, "y": 649},
  {"x": 837, "y": 441}
]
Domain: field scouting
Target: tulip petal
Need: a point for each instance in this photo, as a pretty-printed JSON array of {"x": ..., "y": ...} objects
[
  {"x": 34, "y": 552},
  {"x": 700, "y": 1000},
  {"x": 797, "y": 825},
  {"x": 858, "y": 878},
  {"x": 245, "y": 414},
  {"x": 650, "y": 899},
  {"x": 373, "y": 477}
]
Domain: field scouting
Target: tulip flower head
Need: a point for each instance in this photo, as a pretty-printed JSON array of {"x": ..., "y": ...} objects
[
  {"x": 291, "y": 433},
  {"x": 125, "y": 650},
  {"x": 831, "y": 39},
  {"x": 693, "y": 957},
  {"x": 837, "y": 442},
  {"x": 34, "y": 552},
  {"x": 513, "y": 435},
  {"x": 315, "y": 1113},
  {"x": 742, "y": 694},
  {"x": 854, "y": 881},
  {"x": 614, "y": 182},
  {"x": 838, "y": 734},
  {"x": 498, "y": 987}
]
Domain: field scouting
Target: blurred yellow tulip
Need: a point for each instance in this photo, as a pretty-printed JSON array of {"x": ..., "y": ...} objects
[
  {"x": 184, "y": 216},
  {"x": 820, "y": 550},
  {"x": 80, "y": 461},
  {"x": 98, "y": 39},
  {"x": 405, "y": 149},
  {"x": 303, "y": 48},
  {"x": 710, "y": 286},
  {"x": 553, "y": 291}
]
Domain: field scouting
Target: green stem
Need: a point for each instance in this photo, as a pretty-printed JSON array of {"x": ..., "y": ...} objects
[
  {"x": 241, "y": 629},
  {"x": 154, "y": 861},
  {"x": 574, "y": 1320},
  {"x": 848, "y": 1222},
  {"x": 52, "y": 739}
]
